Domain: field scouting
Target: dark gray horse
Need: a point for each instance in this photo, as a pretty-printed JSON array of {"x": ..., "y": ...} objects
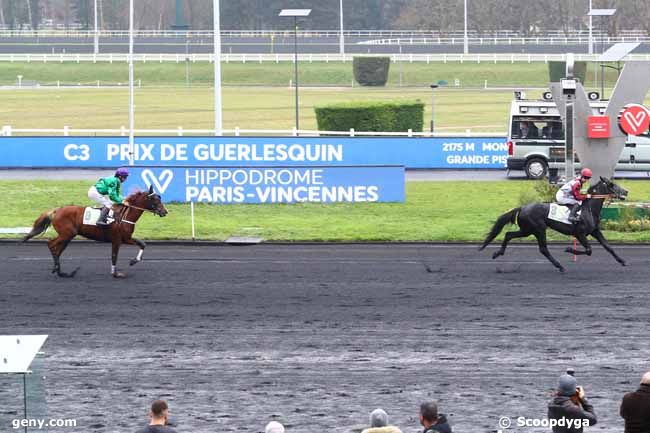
[{"x": 533, "y": 219}]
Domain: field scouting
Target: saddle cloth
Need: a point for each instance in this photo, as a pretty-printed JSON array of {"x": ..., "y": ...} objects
[
  {"x": 560, "y": 213},
  {"x": 91, "y": 215}
]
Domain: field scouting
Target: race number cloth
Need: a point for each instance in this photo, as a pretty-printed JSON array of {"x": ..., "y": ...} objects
[
  {"x": 560, "y": 213},
  {"x": 91, "y": 215}
]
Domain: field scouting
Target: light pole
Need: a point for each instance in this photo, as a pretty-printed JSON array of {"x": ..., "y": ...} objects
[
  {"x": 295, "y": 13},
  {"x": 591, "y": 24},
  {"x": 131, "y": 96},
  {"x": 218, "y": 120},
  {"x": 466, "y": 41},
  {"x": 341, "y": 40},
  {"x": 433, "y": 94},
  {"x": 96, "y": 31},
  {"x": 602, "y": 13}
]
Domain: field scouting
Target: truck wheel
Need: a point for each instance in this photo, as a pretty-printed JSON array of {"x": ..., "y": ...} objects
[{"x": 536, "y": 168}]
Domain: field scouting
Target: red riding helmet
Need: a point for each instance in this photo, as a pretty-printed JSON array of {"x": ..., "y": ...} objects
[{"x": 586, "y": 173}]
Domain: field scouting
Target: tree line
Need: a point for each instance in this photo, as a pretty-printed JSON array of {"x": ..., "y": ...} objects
[{"x": 527, "y": 17}]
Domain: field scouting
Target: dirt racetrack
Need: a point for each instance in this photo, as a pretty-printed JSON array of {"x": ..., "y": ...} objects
[{"x": 317, "y": 336}]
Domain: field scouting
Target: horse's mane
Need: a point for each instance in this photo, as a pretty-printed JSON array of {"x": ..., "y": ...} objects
[{"x": 137, "y": 194}]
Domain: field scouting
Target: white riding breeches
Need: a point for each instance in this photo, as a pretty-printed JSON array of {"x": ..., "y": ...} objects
[
  {"x": 95, "y": 196},
  {"x": 562, "y": 199}
]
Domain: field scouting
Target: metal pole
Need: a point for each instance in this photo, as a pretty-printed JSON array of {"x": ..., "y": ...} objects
[
  {"x": 187, "y": 63},
  {"x": 568, "y": 156},
  {"x": 602, "y": 67},
  {"x": 96, "y": 31},
  {"x": 218, "y": 119},
  {"x": 591, "y": 23},
  {"x": 341, "y": 40},
  {"x": 131, "y": 90},
  {"x": 295, "y": 58},
  {"x": 25, "y": 396},
  {"x": 192, "y": 219},
  {"x": 433, "y": 94},
  {"x": 466, "y": 41}
]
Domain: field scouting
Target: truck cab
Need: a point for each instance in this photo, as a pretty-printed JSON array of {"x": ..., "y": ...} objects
[{"x": 536, "y": 138}]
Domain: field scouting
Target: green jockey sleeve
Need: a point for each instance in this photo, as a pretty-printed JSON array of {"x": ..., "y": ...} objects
[
  {"x": 584, "y": 188},
  {"x": 112, "y": 187}
]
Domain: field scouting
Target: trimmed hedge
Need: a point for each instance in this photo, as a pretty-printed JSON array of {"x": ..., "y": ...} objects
[
  {"x": 557, "y": 71},
  {"x": 392, "y": 116},
  {"x": 371, "y": 71}
]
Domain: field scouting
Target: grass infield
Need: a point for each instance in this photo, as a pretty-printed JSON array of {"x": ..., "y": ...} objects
[{"x": 433, "y": 211}]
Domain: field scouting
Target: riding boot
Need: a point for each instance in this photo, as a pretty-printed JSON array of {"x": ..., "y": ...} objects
[
  {"x": 573, "y": 215},
  {"x": 103, "y": 216}
]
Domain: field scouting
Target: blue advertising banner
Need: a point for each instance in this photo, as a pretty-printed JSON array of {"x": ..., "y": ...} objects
[
  {"x": 110, "y": 152},
  {"x": 223, "y": 185}
]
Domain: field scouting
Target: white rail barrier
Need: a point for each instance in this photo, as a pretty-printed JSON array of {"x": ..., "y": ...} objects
[
  {"x": 501, "y": 35},
  {"x": 310, "y": 58},
  {"x": 8, "y": 131}
]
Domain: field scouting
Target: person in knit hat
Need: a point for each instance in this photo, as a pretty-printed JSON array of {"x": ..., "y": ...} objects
[
  {"x": 570, "y": 407},
  {"x": 379, "y": 423},
  {"x": 635, "y": 408}
]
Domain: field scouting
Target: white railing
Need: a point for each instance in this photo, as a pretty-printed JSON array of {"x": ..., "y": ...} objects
[
  {"x": 310, "y": 58},
  {"x": 456, "y": 34},
  {"x": 8, "y": 131},
  {"x": 459, "y": 40}
]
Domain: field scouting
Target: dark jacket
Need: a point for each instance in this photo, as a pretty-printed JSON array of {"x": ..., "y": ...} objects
[
  {"x": 563, "y": 407},
  {"x": 441, "y": 426},
  {"x": 635, "y": 409}
]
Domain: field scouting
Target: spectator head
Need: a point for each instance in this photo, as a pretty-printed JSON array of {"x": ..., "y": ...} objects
[
  {"x": 378, "y": 418},
  {"x": 159, "y": 411},
  {"x": 567, "y": 385},
  {"x": 645, "y": 380},
  {"x": 274, "y": 427},
  {"x": 428, "y": 413}
]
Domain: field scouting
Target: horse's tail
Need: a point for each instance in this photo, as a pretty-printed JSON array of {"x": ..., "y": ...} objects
[
  {"x": 41, "y": 224},
  {"x": 508, "y": 217}
]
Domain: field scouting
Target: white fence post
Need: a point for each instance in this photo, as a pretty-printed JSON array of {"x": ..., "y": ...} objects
[
  {"x": 351, "y": 132},
  {"x": 6, "y": 131},
  {"x": 66, "y": 131},
  {"x": 180, "y": 131},
  {"x": 236, "y": 131},
  {"x": 192, "y": 218},
  {"x": 122, "y": 131}
]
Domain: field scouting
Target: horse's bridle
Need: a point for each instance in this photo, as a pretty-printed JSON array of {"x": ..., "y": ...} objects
[{"x": 152, "y": 210}]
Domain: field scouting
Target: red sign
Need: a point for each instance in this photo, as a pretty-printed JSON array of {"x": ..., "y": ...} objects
[
  {"x": 598, "y": 127},
  {"x": 635, "y": 119}
]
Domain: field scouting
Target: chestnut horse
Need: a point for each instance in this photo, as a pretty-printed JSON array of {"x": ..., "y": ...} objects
[{"x": 68, "y": 223}]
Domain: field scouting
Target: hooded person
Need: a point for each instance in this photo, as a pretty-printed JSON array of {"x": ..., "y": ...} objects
[
  {"x": 379, "y": 423},
  {"x": 570, "y": 407},
  {"x": 431, "y": 420},
  {"x": 635, "y": 408}
]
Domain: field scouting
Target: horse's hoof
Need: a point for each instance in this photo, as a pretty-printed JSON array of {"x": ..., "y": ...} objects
[
  {"x": 119, "y": 275},
  {"x": 623, "y": 263},
  {"x": 561, "y": 269},
  {"x": 569, "y": 250},
  {"x": 496, "y": 254},
  {"x": 133, "y": 262}
]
